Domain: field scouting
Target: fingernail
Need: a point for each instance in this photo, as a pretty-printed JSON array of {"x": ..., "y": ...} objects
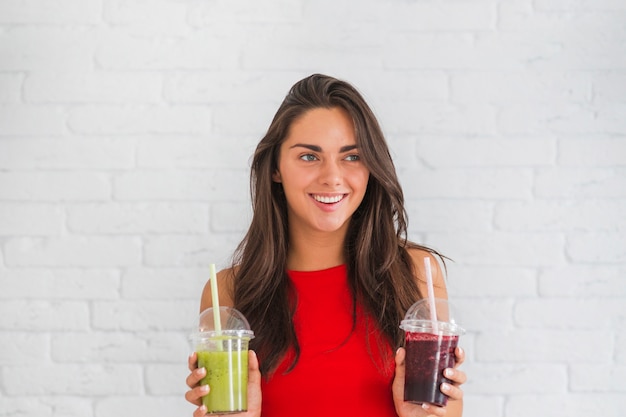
[
  {"x": 204, "y": 388},
  {"x": 425, "y": 406},
  {"x": 461, "y": 351},
  {"x": 445, "y": 387},
  {"x": 449, "y": 373}
]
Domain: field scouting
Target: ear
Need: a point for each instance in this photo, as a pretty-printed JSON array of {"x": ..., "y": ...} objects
[{"x": 276, "y": 176}]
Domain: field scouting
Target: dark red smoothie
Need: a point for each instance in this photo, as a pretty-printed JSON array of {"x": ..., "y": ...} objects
[{"x": 427, "y": 355}]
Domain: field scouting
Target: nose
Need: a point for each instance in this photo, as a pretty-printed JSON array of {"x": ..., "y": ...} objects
[{"x": 331, "y": 173}]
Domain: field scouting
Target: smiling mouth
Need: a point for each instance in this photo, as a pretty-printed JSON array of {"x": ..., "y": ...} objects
[{"x": 328, "y": 199}]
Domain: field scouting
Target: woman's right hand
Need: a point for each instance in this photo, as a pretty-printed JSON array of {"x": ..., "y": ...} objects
[{"x": 197, "y": 391}]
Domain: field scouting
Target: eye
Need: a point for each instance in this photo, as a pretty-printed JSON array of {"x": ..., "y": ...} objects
[
  {"x": 309, "y": 157},
  {"x": 353, "y": 157}
]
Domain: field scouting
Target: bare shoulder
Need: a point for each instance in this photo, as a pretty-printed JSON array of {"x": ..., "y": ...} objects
[
  {"x": 419, "y": 269},
  {"x": 225, "y": 288}
]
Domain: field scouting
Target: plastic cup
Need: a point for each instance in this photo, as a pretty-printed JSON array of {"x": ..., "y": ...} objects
[
  {"x": 429, "y": 350},
  {"x": 224, "y": 355}
]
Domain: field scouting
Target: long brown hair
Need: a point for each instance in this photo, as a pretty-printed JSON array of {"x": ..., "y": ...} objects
[{"x": 380, "y": 271}]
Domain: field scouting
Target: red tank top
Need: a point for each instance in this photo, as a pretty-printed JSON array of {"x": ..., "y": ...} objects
[{"x": 335, "y": 374}]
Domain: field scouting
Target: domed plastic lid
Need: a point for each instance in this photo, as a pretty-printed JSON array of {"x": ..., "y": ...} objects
[
  {"x": 418, "y": 318},
  {"x": 232, "y": 323}
]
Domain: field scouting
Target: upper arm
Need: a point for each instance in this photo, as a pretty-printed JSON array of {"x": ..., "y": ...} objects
[
  {"x": 225, "y": 288},
  {"x": 419, "y": 268}
]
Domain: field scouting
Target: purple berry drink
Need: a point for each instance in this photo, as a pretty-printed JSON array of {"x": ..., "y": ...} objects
[{"x": 427, "y": 355}]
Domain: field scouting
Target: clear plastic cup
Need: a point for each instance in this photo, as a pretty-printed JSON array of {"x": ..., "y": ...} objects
[
  {"x": 224, "y": 355},
  {"x": 429, "y": 350}
]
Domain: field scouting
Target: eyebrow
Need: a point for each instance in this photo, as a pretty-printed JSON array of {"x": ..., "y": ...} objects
[{"x": 316, "y": 148}]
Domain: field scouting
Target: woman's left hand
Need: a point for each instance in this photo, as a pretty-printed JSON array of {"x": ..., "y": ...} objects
[{"x": 454, "y": 407}]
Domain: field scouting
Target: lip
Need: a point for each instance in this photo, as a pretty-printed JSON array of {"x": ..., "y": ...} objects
[{"x": 328, "y": 201}]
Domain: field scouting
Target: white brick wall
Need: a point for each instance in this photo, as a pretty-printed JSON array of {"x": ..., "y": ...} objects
[{"x": 126, "y": 131}]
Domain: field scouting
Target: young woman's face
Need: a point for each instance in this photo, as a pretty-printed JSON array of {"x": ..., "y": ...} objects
[{"x": 322, "y": 175}]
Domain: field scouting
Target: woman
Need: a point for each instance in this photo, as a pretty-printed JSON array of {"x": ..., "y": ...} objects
[{"x": 325, "y": 272}]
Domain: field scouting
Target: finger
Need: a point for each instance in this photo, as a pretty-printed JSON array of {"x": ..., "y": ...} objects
[
  {"x": 193, "y": 379},
  {"x": 456, "y": 375},
  {"x": 397, "y": 387},
  {"x": 452, "y": 391},
  {"x": 434, "y": 410},
  {"x": 200, "y": 412},
  {"x": 195, "y": 395},
  {"x": 193, "y": 361},
  {"x": 459, "y": 353}
]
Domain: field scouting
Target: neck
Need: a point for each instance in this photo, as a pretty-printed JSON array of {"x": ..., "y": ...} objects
[{"x": 315, "y": 251}]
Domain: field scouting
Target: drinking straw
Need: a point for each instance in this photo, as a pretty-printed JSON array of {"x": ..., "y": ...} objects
[
  {"x": 215, "y": 300},
  {"x": 431, "y": 295}
]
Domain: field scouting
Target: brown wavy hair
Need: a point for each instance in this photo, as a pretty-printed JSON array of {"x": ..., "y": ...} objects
[{"x": 380, "y": 271}]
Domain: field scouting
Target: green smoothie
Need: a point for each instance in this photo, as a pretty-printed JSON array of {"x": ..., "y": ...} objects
[{"x": 227, "y": 377}]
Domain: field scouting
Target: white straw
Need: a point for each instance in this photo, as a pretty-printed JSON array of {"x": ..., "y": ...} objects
[
  {"x": 431, "y": 295},
  {"x": 215, "y": 300}
]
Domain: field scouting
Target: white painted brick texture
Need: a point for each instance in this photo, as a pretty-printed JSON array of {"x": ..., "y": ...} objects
[{"x": 126, "y": 133}]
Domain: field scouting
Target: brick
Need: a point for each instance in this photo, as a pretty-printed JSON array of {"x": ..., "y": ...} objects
[
  {"x": 92, "y": 380},
  {"x": 120, "y": 347},
  {"x": 456, "y": 183},
  {"x": 559, "y": 313},
  {"x": 228, "y": 120},
  {"x": 165, "y": 379},
  {"x": 609, "y": 87},
  {"x": 550, "y": 118},
  {"x": 190, "y": 251},
  {"x": 46, "y": 406},
  {"x": 620, "y": 346},
  {"x": 151, "y": 405},
  {"x": 503, "y": 249},
  {"x": 153, "y": 18},
  {"x": 597, "y": 247},
  {"x": 579, "y": 5},
  {"x": 182, "y": 185},
  {"x": 54, "y": 186},
  {"x": 138, "y": 218},
  {"x": 233, "y": 86},
  {"x": 66, "y": 154},
  {"x": 211, "y": 13},
  {"x": 56, "y": 12},
  {"x": 592, "y": 182},
  {"x": 216, "y": 151},
  {"x": 507, "y": 379},
  {"x": 30, "y": 219},
  {"x": 422, "y": 86},
  {"x": 544, "y": 345},
  {"x": 573, "y": 404},
  {"x": 230, "y": 217},
  {"x": 597, "y": 377},
  {"x": 146, "y": 119},
  {"x": 11, "y": 88},
  {"x": 520, "y": 87},
  {"x": 410, "y": 117},
  {"x": 93, "y": 87},
  {"x": 164, "y": 283},
  {"x": 583, "y": 281},
  {"x": 144, "y": 315},
  {"x": 122, "y": 50},
  {"x": 444, "y": 216},
  {"x": 59, "y": 284},
  {"x": 490, "y": 281},
  {"x": 478, "y": 405},
  {"x": 43, "y": 315},
  {"x": 73, "y": 252},
  {"x": 483, "y": 153},
  {"x": 483, "y": 314},
  {"x": 17, "y": 120},
  {"x": 598, "y": 152},
  {"x": 23, "y": 348},
  {"x": 55, "y": 48},
  {"x": 558, "y": 215}
]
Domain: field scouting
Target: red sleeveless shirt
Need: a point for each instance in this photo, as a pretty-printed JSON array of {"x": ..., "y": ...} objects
[{"x": 341, "y": 370}]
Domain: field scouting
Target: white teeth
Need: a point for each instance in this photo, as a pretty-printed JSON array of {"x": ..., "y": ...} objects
[{"x": 328, "y": 200}]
